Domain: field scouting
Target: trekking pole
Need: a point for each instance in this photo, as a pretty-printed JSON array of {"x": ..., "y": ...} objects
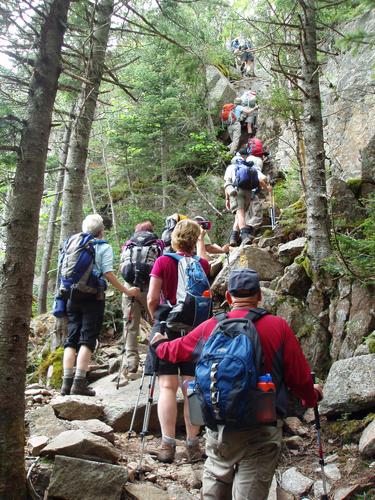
[
  {"x": 272, "y": 210},
  {"x": 146, "y": 418},
  {"x": 137, "y": 403},
  {"x": 320, "y": 446},
  {"x": 125, "y": 339}
]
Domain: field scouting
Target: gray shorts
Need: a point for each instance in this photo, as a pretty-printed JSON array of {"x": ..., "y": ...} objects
[{"x": 239, "y": 198}]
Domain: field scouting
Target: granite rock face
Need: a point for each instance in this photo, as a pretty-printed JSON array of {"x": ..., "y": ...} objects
[{"x": 350, "y": 386}]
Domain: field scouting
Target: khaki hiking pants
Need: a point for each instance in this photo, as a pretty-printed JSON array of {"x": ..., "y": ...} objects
[
  {"x": 234, "y": 131},
  {"x": 242, "y": 466},
  {"x": 139, "y": 305},
  {"x": 254, "y": 213}
]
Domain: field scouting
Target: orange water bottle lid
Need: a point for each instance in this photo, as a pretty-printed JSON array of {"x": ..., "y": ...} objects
[{"x": 206, "y": 293}]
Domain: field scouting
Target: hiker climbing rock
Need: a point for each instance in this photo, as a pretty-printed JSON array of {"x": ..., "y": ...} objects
[
  {"x": 244, "y": 55},
  {"x": 210, "y": 247},
  {"x": 242, "y": 454},
  {"x": 171, "y": 276},
  {"x": 231, "y": 116},
  {"x": 89, "y": 257},
  {"x": 241, "y": 179},
  {"x": 249, "y": 100},
  {"x": 138, "y": 255}
]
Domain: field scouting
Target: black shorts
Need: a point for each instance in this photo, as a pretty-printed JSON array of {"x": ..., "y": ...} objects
[
  {"x": 85, "y": 318},
  {"x": 165, "y": 367}
]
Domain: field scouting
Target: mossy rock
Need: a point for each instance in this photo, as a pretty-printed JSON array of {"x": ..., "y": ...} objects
[
  {"x": 55, "y": 359},
  {"x": 355, "y": 186},
  {"x": 349, "y": 430}
]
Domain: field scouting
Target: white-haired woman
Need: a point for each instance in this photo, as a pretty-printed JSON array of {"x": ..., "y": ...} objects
[{"x": 85, "y": 317}]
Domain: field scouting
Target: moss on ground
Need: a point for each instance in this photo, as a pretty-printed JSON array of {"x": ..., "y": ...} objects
[
  {"x": 349, "y": 430},
  {"x": 55, "y": 359}
]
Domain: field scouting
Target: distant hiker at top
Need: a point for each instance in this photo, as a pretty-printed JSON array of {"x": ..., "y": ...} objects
[
  {"x": 87, "y": 256},
  {"x": 243, "y": 51},
  {"x": 231, "y": 116}
]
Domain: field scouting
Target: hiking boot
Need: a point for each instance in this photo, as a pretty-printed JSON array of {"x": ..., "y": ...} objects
[
  {"x": 194, "y": 452},
  {"x": 81, "y": 388},
  {"x": 246, "y": 235},
  {"x": 132, "y": 366},
  {"x": 66, "y": 386},
  {"x": 166, "y": 453},
  {"x": 234, "y": 239}
]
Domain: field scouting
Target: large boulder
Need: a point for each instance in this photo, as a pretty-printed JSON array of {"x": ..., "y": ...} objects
[
  {"x": 81, "y": 444},
  {"x": 294, "y": 282},
  {"x": 74, "y": 478},
  {"x": 287, "y": 252},
  {"x": 344, "y": 203},
  {"x": 262, "y": 261},
  {"x": 350, "y": 386},
  {"x": 42, "y": 421},
  {"x": 77, "y": 407},
  {"x": 119, "y": 404},
  {"x": 349, "y": 104},
  {"x": 361, "y": 319},
  {"x": 339, "y": 310},
  {"x": 220, "y": 90},
  {"x": 312, "y": 335}
]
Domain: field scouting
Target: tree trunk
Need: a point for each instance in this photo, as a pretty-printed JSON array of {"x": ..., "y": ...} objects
[
  {"x": 50, "y": 235},
  {"x": 318, "y": 225},
  {"x": 164, "y": 173},
  {"x": 21, "y": 241},
  {"x": 75, "y": 174}
]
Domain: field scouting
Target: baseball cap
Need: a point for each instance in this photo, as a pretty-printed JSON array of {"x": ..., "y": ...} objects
[
  {"x": 237, "y": 100},
  {"x": 243, "y": 279},
  {"x": 199, "y": 218}
]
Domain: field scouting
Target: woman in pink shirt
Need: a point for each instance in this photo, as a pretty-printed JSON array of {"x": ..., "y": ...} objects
[{"x": 163, "y": 287}]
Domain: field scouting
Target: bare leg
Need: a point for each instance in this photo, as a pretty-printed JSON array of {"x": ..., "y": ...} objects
[
  {"x": 240, "y": 217},
  {"x": 167, "y": 404},
  {"x": 84, "y": 358},
  {"x": 70, "y": 355}
]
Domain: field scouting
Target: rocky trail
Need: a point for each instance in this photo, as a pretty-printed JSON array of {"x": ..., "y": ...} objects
[{"x": 90, "y": 435}]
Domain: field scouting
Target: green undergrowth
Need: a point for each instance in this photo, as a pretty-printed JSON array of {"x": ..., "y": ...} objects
[
  {"x": 293, "y": 217},
  {"x": 370, "y": 342},
  {"x": 354, "y": 249}
]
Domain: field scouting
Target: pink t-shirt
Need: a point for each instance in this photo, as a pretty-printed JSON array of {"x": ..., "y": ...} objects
[{"x": 165, "y": 268}]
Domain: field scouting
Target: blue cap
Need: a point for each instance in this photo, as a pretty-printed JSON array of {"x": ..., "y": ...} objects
[{"x": 243, "y": 279}]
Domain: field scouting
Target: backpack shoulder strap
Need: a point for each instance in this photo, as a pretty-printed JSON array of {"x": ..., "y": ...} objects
[
  {"x": 256, "y": 313},
  {"x": 174, "y": 256},
  {"x": 253, "y": 315}
]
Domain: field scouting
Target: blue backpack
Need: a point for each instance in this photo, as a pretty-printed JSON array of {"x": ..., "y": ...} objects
[
  {"x": 192, "y": 305},
  {"x": 246, "y": 175},
  {"x": 76, "y": 276},
  {"x": 227, "y": 372}
]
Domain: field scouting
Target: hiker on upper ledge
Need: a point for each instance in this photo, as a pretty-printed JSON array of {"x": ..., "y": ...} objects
[{"x": 242, "y": 179}]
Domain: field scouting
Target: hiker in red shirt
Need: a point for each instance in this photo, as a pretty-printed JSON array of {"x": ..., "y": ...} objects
[
  {"x": 163, "y": 291},
  {"x": 241, "y": 464}
]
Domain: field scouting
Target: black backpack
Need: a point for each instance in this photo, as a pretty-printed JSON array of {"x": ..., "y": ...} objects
[{"x": 138, "y": 256}]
